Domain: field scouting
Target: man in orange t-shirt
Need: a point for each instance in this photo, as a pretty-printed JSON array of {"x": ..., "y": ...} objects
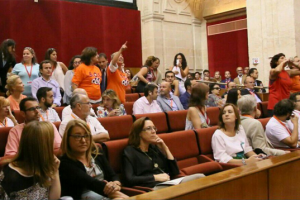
[
  {"x": 116, "y": 77},
  {"x": 87, "y": 76}
]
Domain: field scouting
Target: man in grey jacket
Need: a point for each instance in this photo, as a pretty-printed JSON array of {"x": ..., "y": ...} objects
[
  {"x": 166, "y": 100},
  {"x": 253, "y": 128}
]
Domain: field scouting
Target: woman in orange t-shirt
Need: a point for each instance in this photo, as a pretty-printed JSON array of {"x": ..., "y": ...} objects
[
  {"x": 14, "y": 87},
  {"x": 87, "y": 76}
]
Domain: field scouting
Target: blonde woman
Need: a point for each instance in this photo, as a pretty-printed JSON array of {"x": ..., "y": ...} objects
[
  {"x": 85, "y": 173},
  {"x": 6, "y": 117},
  {"x": 33, "y": 173},
  {"x": 27, "y": 70},
  {"x": 110, "y": 105},
  {"x": 15, "y": 88}
]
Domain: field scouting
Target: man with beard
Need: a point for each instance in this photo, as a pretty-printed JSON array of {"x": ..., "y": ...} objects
[{"x": 45, "y": 98}]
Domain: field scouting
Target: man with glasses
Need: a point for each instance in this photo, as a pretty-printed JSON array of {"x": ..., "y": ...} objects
[
  {"x": 170, "y": 77},
  {"x": 239, "y": 80},
  {"x": 80, "y": 105},
  {"x": 249, "y": 88},
  {"x": 29, "y": 110}
]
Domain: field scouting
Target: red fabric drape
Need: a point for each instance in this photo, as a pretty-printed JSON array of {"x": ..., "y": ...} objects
[
  {"x": 227, "y": 51},
  {"x": 70, "y": 27}
]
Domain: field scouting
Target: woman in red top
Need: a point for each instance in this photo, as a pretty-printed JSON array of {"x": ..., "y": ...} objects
[{"x": 279, "y": 81}]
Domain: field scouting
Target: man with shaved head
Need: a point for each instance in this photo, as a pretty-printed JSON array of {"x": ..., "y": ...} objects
[{"x": 166, "y": 100}]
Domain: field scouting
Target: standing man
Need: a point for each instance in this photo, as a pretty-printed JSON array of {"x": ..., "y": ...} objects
[
  {"x": 254, "y": 74},
  {"x": 103, "y": 68},
  {"x": 239, "y": 80},
  {"x": 227, "y": 79}
]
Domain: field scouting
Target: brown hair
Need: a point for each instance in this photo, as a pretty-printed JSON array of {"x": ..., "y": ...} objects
[
  {"x": 48, "y": 57},
  {"x": 87, "y": 54},
  {"x": 65, "y": 146},
  {"x": 150, "y": 60},
  {"x": 113, "y": 96},
  {"x": 198, "y": 95},
  {"x": 237, "y": 115},
  {"x": 136, "y": 129},
  {"x": 34, "y": 59}
]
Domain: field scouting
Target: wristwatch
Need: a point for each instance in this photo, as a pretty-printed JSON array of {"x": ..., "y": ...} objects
[{"x": 244, "y": 161}]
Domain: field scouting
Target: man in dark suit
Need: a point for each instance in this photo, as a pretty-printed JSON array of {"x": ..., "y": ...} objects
[
  {"x": 254, "y": 74},
  {"x": 249, "y": 88},
  {"x": 103, "y": 67},
  {"x": 227, "y": 79}
]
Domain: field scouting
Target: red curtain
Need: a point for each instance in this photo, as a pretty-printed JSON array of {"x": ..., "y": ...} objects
[
  {"x": 70, "y": 27},
  {"x": 227, "y": 51}
]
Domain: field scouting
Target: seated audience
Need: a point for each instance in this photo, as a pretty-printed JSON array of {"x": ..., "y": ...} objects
[
  {"x": 27, "y": 70},
  {"x": 29, "y": 110},
  {"x": 185, "y": 97},
  {"x": 197, "y": 76},
  {"x": 233, "y": 96},
  {"x": 246, "y": 71},
  {"x": 170, "y": 78},
  {"x": 253, "y": 128},
  {"x": 190, "y": 76},
  {"x": 68, "y": 111},
  {"x": 87, "y": 75},
  {"x": 278, "y": 130},
  {"x": 74, "y": 63},
  {"x": 227, "y": 79},
  {"x": 240, "y": 79},
  {"x": 81, "y": 106},
  {"x": 147, "y": 103},
  {"x": 116, "y": 77},
  {"x": 45, "y": 98},
  {"x": 33, "y": 173},
  {"x": 218, "y": 77},
  {"x": 295, "y": 98},
  {"x": 59, "y": 69},
  {"x": 214, "y": 98},
  {"x": 46, "y": 81},
  {"x": 206, "y": 73},
  {"x": 148, "y": 73},
  {"x": 8, "y": 61},
  {"x": 166, "y": 100},
  {"x": 249, "y": 88},
  {"x": 110, "y": 105},
  {"x": 196, "y": 117},
  {"x": 229, "y": 86},
  {"x": 102, "y": 63},
  {"x": 6, "y": 117},
  {"x": 254, "y": 74},
  {"x": 84, "y": 171},
  {"x": 229, "y": 142},
  {"x": 15, "y": 88},
  {"x": 144, "y": 149}
]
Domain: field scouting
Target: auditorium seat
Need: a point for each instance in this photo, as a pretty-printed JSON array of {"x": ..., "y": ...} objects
[
  {"x": 59, "y": 111},
  {"x": 95, "y": 106},
  {"x": 128, "y": 107},
  {"x": 213, "y": 115},
  {"x": 264, "y": 121},
  {"x": 264, "y": 109},
  {"x": 128, "y": 90},
  {"x": 57, "y": 124},
  {"x": 141, "y": 94},
  {"x": 117, "y": 127},
  {"x": 18, "y": 116},
  {"x": 3, "y": 139},
  {"x": 176, "y": 120},
  {"x": 183, "y": 145},
  {"x": 204, "y": 137},
  {"x": 159, "y": 120},
  {"x": 259, "y": 108},
  {"x": 131, "y": 97}
]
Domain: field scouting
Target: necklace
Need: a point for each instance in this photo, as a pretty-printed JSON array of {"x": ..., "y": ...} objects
[{"x": 155, "y": 164}]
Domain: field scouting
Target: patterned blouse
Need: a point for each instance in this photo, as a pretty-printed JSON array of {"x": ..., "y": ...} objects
[
  {"x": 213, "y": 101},
  {"x": 103, "y": 112}
]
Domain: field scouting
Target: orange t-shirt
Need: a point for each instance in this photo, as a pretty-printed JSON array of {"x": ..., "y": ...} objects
[
  {"x": 88, "y": 78},
  {"x": 117, "y": 81},
  {"x": 13, "y": 104},
  {"x": 295, "y": 84}
]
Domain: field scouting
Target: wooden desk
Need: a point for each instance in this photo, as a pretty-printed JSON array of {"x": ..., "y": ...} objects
[{"x": 275, "y": 178}]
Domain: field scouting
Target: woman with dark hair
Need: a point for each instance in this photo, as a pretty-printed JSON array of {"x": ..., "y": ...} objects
[
  {"x": 148, "y": 73},
  {"x": 87, "y": 75},
  {"x": 197, "y": 76},
  {"x": 27, "y": 70},
  {"x": 129, "y": 74},
  {"x": 233, "y": 96},
  {"x": 214, "y": 98},
  {"x": 8, "y": 61},
  {"x": 229, "y": 142},
  {"x": 58, "y": 68},
  {"x": 196, "y": 116},
  {"x": 74, "y": 63},
  {"x": 181, "y": 70},
  {"x": 85, "y": 172}
]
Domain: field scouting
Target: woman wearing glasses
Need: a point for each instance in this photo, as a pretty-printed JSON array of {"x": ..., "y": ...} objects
[
  {"x": 229, "y": 142},
  {"x": 214, "y": 98},
  {"x": 84, "y": 171}
]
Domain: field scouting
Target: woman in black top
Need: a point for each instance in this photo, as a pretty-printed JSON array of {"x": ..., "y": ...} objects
[
  {"x": 83, "y": 173},
  {"x": 147, "y": 160}
]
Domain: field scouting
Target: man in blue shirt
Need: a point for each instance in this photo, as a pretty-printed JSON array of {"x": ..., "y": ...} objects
[{"x": 185, "y": 97}]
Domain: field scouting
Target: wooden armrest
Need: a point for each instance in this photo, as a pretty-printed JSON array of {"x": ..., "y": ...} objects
[
  {"x": 131, "y": 191},
  {"x": 146, "y": 189}
]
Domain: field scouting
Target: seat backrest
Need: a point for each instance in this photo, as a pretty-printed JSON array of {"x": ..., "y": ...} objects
[
  {"x": 131, "y": 97},
  {"x": 204, "y": 136},
  {"x": 213, "y": 115},
  {"x": 128, "y": 107},
  {"x": 18, "y": 116},
  {"x": 59, "y": 111},
  {"x": 3, "y": 139},
  {"x": 264, "y": 109},
  {"x": 183, "y": 146},
  {"x": 176, "y": 120},
  {"x": 128, "y": 90},
  {"x": 259, "y": 108},
  {"x": 264, "y": 121},
  {"x": 159, "y": 120},
  {"x": 57, "y": 124},
  {"x": 141, "y": 94},
  {"x": 117, "y": 127},
  {"x": 95, "y": 106}
]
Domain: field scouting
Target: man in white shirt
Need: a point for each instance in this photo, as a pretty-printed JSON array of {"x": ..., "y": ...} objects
[
  {"x": 45, "y": 98},
  {"x": 81, "y": 106},
  {"x": 295, "y": 97},
  {"x": 67, "y": 110},
  {"x": 147, "y": 103},
  {"x": 278, "y": 131}
]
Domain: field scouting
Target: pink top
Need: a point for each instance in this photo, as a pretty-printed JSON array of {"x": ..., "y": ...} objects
[
  {"x": 142, "y": 106},
  {"x": 13, "y": 104},
  {"x": 14, "y": 137}
]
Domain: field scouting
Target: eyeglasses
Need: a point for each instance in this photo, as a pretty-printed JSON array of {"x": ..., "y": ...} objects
[
  {"x": 149, "y": 129},
  {"x": 33, "y": 108},
  {"x": 80, "y": 137},
  {"x": 89, "y": 103},
  {"x": 217, "y": 88}
]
